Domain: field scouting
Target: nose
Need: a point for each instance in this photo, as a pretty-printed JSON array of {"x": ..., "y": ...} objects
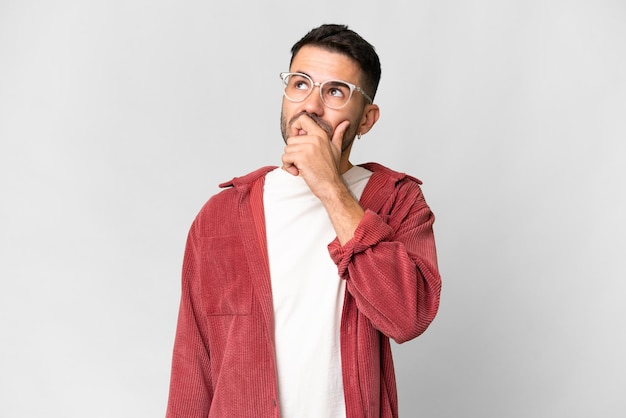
[{"x": 313, "y": 103}]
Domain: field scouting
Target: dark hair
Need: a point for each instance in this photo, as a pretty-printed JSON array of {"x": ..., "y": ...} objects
[{"x": 338, "y": 38}]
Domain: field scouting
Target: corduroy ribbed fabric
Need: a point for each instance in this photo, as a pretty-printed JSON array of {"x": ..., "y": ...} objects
[{"x": 224, "y": 363}]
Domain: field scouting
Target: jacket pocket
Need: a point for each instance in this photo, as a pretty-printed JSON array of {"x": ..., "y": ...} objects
[{"x": 226, "y": 285}]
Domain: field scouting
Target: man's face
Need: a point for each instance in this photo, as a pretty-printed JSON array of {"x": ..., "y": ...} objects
[{"x": 322, "y": 65}]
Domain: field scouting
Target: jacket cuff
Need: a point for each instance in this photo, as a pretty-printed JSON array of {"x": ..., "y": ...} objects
[{"x": 370, "y": 231}]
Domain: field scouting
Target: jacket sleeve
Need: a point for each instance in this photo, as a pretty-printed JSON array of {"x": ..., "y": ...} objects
[
  {"x": 390, "y": 265},
  {"x": 191, "y": 390}
]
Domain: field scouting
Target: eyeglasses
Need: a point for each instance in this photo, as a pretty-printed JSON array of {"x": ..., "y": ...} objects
[{"x": 335, "y": 94}]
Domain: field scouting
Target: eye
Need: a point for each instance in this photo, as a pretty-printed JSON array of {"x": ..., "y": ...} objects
[
  {"x": 301, "y": 85},
  {"x": 337, "y": 90},
  {"x": 299, "y": 82}
]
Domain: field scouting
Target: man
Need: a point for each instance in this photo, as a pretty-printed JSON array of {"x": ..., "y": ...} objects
[{"x": 295, "y": 278}]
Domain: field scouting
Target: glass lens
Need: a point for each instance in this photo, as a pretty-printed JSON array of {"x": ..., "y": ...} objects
[
  {"x": 335, "y": 93},
  {"x": 297, "y": 87}
]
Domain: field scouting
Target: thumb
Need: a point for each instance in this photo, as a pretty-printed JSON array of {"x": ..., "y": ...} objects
[{"x": 339, "y": 133}]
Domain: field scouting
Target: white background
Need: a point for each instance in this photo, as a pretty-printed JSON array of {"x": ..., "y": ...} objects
[{"x": 119, "y": 118}]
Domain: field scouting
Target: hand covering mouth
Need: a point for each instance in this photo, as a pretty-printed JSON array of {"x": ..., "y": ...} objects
[{"x": 317, "y": 119}]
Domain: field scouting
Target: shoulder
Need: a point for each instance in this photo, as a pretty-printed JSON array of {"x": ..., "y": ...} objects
[
  {"x": 232, "y": 191},
  {"x": 388, "y": 189},
  {"x": 387, "y": 173}
]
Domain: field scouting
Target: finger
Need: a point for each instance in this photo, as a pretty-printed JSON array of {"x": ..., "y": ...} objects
[
  {"x": 305, "y": 125},
  {"x": 340, "y": 131},
  {"x": 291, "y": 169},
  {"x": 289, "y": 164}
]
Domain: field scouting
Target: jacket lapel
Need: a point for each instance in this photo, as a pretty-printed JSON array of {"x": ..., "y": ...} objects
[{"x": 252, "y": 221}]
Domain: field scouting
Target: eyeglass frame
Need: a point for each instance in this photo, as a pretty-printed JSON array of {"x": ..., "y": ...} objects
[{"x": 353, "y": 88}]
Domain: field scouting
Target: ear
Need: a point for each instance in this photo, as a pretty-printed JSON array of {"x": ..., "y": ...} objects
[{"x": 370, "y": 116}]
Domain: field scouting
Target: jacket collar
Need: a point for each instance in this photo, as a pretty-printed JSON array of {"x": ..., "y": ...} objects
[
  {"x": 381, "y": 169},
  {"x": 248, "y": 179}
]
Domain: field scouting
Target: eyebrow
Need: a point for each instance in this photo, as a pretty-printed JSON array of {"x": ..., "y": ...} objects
[
  {"x": 311, "y": 77},
  {"x": 303, "y": 72}
]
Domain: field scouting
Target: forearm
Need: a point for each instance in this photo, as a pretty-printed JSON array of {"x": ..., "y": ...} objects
[
  {"x": 392, "y": 275},
  {"x": 344, "y": 211}
]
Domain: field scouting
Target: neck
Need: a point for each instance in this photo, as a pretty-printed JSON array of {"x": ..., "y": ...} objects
[{"x": 345, "y": 166}]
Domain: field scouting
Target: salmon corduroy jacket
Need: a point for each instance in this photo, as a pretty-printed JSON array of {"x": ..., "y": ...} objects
[{"x": 224, "y": 359}]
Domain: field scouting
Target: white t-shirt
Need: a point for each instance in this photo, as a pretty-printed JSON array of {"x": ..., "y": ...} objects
[{"x": 307, "y": 295}]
